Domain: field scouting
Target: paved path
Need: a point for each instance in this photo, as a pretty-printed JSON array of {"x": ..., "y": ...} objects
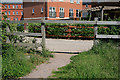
[
  {"x": 44, "y": 70},
  {"x": 64, "y": 45},
  {"x": 60, "y": 59}
]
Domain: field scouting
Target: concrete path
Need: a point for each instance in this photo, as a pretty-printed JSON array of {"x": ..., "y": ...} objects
[
  {"x": 60, "y": 59},
  {"x": 45, "y": 70},
  {"x": 64, "y": 45}
]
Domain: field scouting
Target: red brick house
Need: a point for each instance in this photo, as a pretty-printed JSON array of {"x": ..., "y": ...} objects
[
  {"x": 13, "y": 10},
  {"x": 53, "y": 9}
]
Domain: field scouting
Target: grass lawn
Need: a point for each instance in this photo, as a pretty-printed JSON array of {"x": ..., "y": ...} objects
[
  {"x": 99, "y": 62},
  {"x": 0, "y": 66}
]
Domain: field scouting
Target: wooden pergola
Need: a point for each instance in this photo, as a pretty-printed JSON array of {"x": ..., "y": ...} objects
[{"x": 102, "y": 9}]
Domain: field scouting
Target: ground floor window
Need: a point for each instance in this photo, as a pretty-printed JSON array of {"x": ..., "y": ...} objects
[
  {"x": 52, "y": 12},
  {"x": 71, "y": 13},
  {"x": 78, "y": 14}
]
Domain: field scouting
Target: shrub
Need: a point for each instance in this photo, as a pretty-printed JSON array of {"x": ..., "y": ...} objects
[{"x": 15, "y": 63}]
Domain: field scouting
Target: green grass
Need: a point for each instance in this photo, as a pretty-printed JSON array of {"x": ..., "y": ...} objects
[
  {"x": 99, "y": 62},
  {"x": 0, "y": 66},
  {"x": 17, "y": 63}
]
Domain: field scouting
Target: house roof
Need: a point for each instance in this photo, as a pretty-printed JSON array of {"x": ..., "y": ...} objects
[{"x": 11, "y": 1}]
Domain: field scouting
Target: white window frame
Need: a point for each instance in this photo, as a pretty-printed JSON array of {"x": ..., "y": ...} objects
[
  {"x": 42, "y": 10},
  {"x": 13, "y": 6},
  {"x": 33, "y": 10},
  {"x": 61, "y": 0},
  {"x": 78, "y": 1},
  {"x": 21, "y": 6},
  {"x": 5, "y": 6},
  {"x": 16, "y": 12},
  {"x": 13, "y": 12},
  {"x": 61, "y": 9},
  {"x": 9, "y": 12},
  {"x": 21, "y": 12},
  {"x": 9, "y": 6},
  {"x": 16, "y": 6},
  {"x": 71, "y": 1},
  {"x": 5, "y": 12}
]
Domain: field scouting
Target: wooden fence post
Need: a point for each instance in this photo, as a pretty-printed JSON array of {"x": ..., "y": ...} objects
[
  {"x": 43, "y": 35},
  {"x": 8, "y": 30},
  {"x": 95, "y": 31}
]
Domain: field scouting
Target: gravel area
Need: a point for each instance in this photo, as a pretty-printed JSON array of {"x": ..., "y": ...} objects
[
  {"x": 45, "y": 70},
  {"x": 65, "y": 45}
]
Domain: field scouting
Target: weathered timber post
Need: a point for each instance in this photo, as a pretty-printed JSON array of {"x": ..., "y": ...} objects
[
  {"x": 95, "y": 31},
  {"x": 8, "y": 30},
  {"x": 43, "y": 35},
  {"x": 102, "y": 13}
]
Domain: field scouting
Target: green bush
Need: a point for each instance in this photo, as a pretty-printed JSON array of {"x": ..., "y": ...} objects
[{"x": 15, "y": 64}]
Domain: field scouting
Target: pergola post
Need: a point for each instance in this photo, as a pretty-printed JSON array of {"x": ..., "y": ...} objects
[{"x": 102, "y": 14}]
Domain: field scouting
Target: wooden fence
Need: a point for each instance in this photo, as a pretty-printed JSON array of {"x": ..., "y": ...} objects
[{"x": 95, "y": 23}]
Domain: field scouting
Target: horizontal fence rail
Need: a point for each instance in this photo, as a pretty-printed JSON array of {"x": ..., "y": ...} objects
[
  {"x": 95, "y": 23},
  {"x": 69, "y": 22},
  {"x": 27, "y": 34}
]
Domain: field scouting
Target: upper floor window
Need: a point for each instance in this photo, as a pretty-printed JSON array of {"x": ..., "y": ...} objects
[
  {"x": 61, "y": 0},
  {"x": 13, "y": 12},
  {"x": 13, "y": 6},
  {"x": 41, "y": 9},
  {"x": 17, "y": 12},
  {"x": 5, "y": 12},
  {"x": 21, "y": 12},
  {"x": 78, "y": 1},
  {"x": 9, "y": 12},
  {"x": 71, "y": 1},
  {"x": 86, "y": 5},
  {"x": 33, "y": 10},
  {"x": 17, "y": 6},
  {"x": 9, "y": 6},
  {"x": 5, "y": 6},
  {"x": 21, "y": 6}
]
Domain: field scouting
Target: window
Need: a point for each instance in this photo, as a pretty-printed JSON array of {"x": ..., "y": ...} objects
[
  {"x": 9, "y": 6},
  {"x": 78, "y": 13},
  {"x": 9, "y": 18},
  {"x": 9, "y": 12},
  {"x": 61, "y": 13},
  {"x": 61, "y": 0},
  {"x": 14, "y": 19},
  {"x": 52, "y": 12},
  {"x": 71, "y": 1},
  {"x": 61, "y": 9},
  {"x": 78, "y": 1},
  {"x": 17, "y": 19},
  {"x": 86, "y": 5},
  {"x": 17, "y": 6},
  {"x": 13, "y": 12},
  {"x": 17, "y": 12},
  {"x": 32, "y": 0},
  {"x": 13, "y": 6},
  {"x": 21, "y": 6},
  {"x": 70, "y": 12},
  {"x": 5, "y": 12},
  {"x": 41, "y": 9},
  {"x": 33, "y": 10},
  {"x": 5, "y": 6},
  {"x": 21, "y": 12}
]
